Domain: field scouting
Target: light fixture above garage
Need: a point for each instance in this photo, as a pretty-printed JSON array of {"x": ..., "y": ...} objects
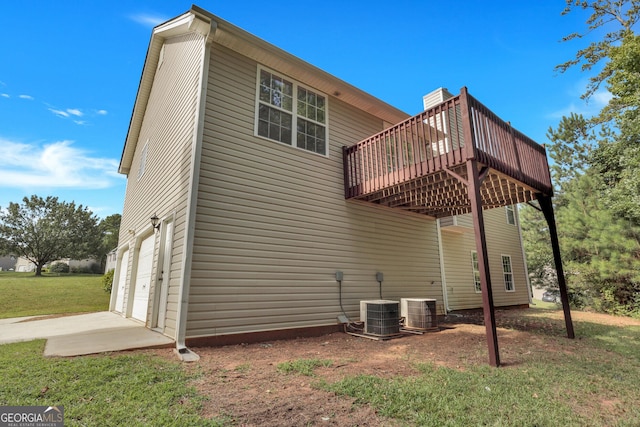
[{"x": 155, "y": 222}]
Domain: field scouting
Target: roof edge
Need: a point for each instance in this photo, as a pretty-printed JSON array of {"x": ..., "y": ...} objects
[
  {"x": 190, "y": 21},
  {"x": 226, "y": 34}
]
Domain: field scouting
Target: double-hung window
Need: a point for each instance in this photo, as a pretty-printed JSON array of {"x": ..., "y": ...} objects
[
  {"x": 507, "y": 272},
  {"x": 476, "y": 271},
  {"x": 291, "y": 114},
  {"x": 511, "y": 214}
]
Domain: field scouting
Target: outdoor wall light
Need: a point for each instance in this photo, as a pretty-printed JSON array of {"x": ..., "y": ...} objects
[{"x": 155, "y": 222}]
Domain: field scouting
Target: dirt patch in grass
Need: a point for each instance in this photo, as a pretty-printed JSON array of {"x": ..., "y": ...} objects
[{"x": 243, "y": 382}]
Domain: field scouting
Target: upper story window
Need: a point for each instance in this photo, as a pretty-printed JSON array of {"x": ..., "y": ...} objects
[
  {"x": 476, "y": 271},
  {"x": 290, "y": 113},
  {"x": 143, "y": 159},
  {"x": 511, "y": 214}
]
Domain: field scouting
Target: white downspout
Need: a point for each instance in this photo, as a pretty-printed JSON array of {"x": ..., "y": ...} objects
[
  {"x": 192, "y": 199},
  {"x": 445, "y": 297}
]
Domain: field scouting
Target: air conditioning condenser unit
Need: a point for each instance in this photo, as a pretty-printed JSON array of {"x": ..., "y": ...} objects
[
  {"x": 419, "y": 313},
  {"x": 381, "y": 317}
]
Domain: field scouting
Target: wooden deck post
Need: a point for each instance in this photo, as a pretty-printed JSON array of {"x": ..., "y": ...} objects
[
  {"x": 475, "y": 199},
  {"x": 547, "y": 209}
]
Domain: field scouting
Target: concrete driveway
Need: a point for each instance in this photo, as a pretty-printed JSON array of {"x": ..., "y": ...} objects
[{"x": 82, "y": 334}]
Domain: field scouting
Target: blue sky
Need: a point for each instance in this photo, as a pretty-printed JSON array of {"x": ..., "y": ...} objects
[{"x": 69, "y": 72}]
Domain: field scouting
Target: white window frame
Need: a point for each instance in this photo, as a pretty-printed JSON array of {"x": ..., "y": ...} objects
[
  {"x": 475, "y": 268},
  {"x": 160, "y": 57},
  {"x": 293, "y": 112},
  {"x": 510, "y": 211},
  {"x": 143, "y": 160},
  {"x": 507, "y": 276}
]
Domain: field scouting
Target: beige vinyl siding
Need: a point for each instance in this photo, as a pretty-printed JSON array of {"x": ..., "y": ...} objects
[
  {"x": 502, "y": 239},
  {"x": 168, "y": 127},
  {"x": 272, "y": 225}
]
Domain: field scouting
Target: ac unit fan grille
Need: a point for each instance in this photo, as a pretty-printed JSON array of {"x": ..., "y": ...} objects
[
  {"x": 421, "y": 315},
  {"x": 382, "y": 319}
]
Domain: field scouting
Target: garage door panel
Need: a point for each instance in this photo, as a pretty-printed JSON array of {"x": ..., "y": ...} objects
[
  {"x": 122, "y": 282},
  {"x": 143, "y": 280}
]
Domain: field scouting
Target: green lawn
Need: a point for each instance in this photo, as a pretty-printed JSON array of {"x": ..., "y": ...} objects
[
  {"x": 108, "y": 390},
  {"x": 590, "y": 381},
  {"x": 546, "y": 305},
  {"x": 24, "y": 294},
  {"x": 132, "y": 389}
]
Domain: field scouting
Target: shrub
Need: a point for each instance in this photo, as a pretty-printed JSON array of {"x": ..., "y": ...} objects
[
  {"x": 59, "y": 267},
  {"x": 92, "y": 268},
  {"x": 107, "y": 281},
  {"x": 96, "y": 268}
]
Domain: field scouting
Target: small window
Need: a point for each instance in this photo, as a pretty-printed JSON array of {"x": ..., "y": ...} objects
[
  {"x": 290, "y": 113},
  {"x": 507, "y": 272},
  {"x": 511, "y": 215},
  {"x": 160, "y": 58},
  {"x": 143, "y": 160},
  {"x": 476, "y": 272}
]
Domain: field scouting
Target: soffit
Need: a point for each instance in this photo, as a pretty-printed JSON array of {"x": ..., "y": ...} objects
[
  {"x": 265, "y": 53},
  {"x": 239, "y": 40}
]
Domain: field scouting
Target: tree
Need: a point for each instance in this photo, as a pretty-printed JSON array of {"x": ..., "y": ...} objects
[
  {"x": 601, "y": 251},
  {"x": 621, "y": 14},
  {"x": 572, "y": 143},
  {"x": 597, "y": 170},
  {"x": 618, "y": 159},
  {"x": 44, "y": 230},
  {"x": 110, "y": 228},
  {"x": 617, "y": 154},
  {"x": 537, "y": 246}
]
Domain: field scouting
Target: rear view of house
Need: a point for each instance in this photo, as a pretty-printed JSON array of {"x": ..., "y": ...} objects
[{"x": 266, "y": 198}]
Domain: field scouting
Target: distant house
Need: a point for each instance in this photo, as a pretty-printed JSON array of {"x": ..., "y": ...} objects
[
  {"x": 110, "y": 263},
  {"x": 267, "y": 176},
  {"x": 24, "y": 265},
  {"x": 7, "y": 263}
]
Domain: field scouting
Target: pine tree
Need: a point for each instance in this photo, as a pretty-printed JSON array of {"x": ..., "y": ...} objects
[{"x": 601, "y": 251}]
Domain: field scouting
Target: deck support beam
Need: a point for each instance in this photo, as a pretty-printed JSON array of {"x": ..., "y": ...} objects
[
  {"x": 547, "y": 209},
  {"x": 475, "y": 182}
]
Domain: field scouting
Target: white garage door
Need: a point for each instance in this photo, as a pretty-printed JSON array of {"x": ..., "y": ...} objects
[
  {"x": 122, "y": 281},
  {"x": 143, "y": 280}
]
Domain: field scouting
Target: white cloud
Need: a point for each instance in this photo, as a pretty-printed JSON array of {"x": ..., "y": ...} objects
[
  {"x": 75, "y": 112},
  {"x": 5, "y": 95},
  {"x": 148, "y": 20},
  {"x": 55, "y": 165},
  {"x": 28, "y": 97},
  {"x": 579, "y": 106},
  {"x": 59, "y": 113},
  {"x": 601, "y": 98}
]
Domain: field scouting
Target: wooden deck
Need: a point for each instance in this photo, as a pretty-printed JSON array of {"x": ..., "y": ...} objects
[{"x": 420, "y": 164}]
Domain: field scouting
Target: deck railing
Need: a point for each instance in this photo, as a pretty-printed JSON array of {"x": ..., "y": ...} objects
[{"x": 437, "y": 139}]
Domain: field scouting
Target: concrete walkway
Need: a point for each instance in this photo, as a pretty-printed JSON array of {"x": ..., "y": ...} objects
[{"x": 82, "y": 334}]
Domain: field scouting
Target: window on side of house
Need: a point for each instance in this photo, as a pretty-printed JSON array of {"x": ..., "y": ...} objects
[
  {"x": 143, "y": 159},
  {"x": 511, "y": 214},
  {"x": 476, "y": 272},
  {"x": 290, "y": 113},
  {"x": 507, "y": 273}
]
